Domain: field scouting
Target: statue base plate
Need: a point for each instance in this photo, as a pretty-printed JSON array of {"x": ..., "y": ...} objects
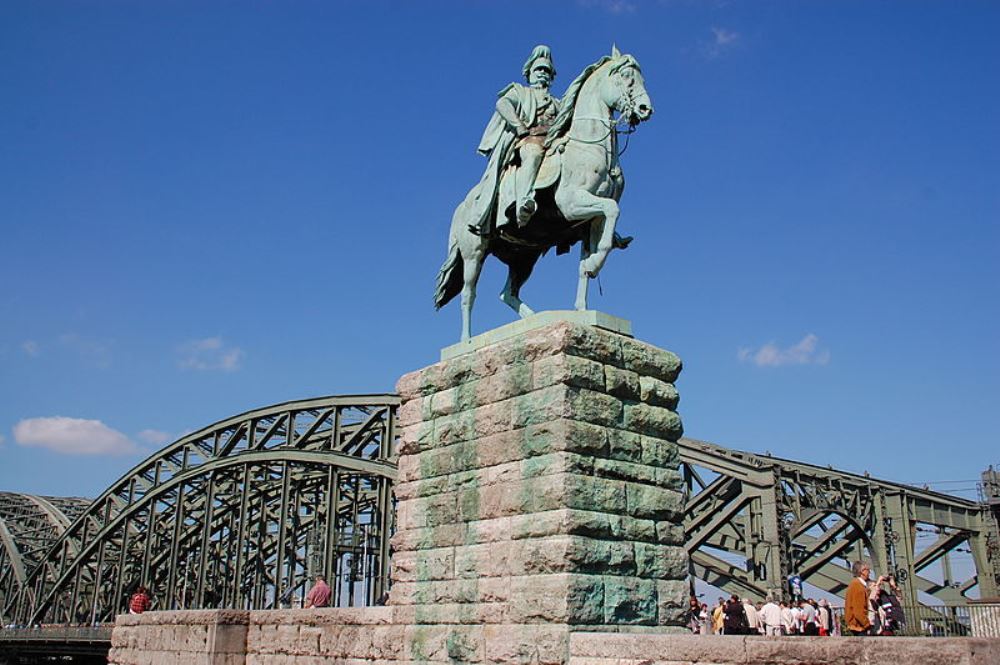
[{"x": 588, "y": 317}]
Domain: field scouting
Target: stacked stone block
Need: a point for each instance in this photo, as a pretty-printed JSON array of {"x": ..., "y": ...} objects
[
  {"x": 206, "y": 637},
  {"x": 539, "y": 486}
]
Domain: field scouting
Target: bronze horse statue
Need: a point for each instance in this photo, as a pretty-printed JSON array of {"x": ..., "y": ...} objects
[{"x": 577, "y": 190}]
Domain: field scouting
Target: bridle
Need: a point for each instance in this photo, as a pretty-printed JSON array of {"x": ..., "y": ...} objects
[{"x": 625, "y": 107}]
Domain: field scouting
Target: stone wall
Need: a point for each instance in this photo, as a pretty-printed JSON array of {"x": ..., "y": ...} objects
[
  {"x": 293, "y": 637},
  {"x": 647, "y": 649},
  {"x": 199, "y": 637},
  {"x": 369, "y": 637}
]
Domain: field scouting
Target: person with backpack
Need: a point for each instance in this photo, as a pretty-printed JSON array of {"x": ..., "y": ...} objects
[{"x": 890, "y": 609}]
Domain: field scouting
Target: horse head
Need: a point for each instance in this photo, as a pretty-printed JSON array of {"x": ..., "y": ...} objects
[{"x": 624, "y": 89}]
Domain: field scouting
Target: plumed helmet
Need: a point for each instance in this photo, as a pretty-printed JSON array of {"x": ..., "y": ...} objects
[{"x": 540, "y": 52}]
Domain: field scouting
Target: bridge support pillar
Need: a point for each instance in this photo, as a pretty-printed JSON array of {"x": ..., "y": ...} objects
[{"x": 539, "y": 487}]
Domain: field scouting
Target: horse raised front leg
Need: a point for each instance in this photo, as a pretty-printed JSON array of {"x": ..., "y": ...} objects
[{"x": 583, "y": 205}]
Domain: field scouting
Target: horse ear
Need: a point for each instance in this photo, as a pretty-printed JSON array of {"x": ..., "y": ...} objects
[{"x": 615, "y": 53}]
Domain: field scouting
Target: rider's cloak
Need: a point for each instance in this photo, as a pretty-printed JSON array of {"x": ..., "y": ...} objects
[{"x": 498, "y": 143}]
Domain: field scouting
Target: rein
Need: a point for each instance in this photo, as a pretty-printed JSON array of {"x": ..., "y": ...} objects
[{"x": 626, "y": 102}]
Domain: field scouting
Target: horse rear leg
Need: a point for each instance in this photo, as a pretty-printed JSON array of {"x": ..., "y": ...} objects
[
  {"x": 471, "y": 267},
  {"x": 517, "y": 275}
]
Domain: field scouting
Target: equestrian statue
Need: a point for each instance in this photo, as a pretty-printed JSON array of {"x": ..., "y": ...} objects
[{"x": 552, "y": 178}]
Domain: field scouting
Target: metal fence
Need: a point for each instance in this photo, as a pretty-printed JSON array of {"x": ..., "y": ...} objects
[{"x": 976, "y": 619}]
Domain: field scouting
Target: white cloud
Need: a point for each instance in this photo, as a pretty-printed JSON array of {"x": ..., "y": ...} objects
[
  {"x": 805, "y": 352},
  {"x": 30, "y": 348},
  {"x": 154, "y": 437},
  {"x": 210, "y": 354},
  {"x": 721, "y": 41},
  {"x": 72, "y": 436}
]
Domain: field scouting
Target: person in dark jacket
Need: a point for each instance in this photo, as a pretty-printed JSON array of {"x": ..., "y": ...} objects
[{"x": 735, "y": 622}]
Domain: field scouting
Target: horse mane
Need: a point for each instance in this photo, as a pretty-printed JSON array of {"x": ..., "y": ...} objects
[{"x": 561, "y": 124}]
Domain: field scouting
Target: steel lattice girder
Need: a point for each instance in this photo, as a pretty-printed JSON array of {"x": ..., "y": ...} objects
[
  {"x": 29, "y": 525},
  {"x": 228, "y": 503},
  {"x": 784, "y": 517}
]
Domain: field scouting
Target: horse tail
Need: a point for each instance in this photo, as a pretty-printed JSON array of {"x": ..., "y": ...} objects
[{"x": 449, "y": 280}]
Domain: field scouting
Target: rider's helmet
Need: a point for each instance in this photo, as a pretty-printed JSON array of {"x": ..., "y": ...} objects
[{"x": 540, "y": 52}]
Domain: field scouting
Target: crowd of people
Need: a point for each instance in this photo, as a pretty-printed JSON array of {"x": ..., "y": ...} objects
[
  {"x": 870, "y": 608},
  {"x": 744, "y": 617}
]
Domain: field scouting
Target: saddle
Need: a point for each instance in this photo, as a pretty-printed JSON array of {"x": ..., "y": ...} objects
[{"x": 548, "y": 176}]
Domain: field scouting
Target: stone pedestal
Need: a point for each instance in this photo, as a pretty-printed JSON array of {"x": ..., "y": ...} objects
[{"x": 539, "y": 487}]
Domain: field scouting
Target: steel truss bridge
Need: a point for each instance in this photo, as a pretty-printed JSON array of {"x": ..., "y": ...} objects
[{"x": 242, "y": 513}]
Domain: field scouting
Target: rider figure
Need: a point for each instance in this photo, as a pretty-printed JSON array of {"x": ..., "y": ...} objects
[{"x": 523, "y": 117}]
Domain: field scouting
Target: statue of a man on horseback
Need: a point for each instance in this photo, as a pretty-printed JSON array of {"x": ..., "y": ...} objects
[
  {"x": 553, "y": 179},
  {"x": 515, "y": 135},
  {"x": 514, "y": 143}
]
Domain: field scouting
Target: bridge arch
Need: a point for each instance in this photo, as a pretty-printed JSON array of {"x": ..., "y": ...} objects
[
  {"x": 237, "y": 514},
  {"x": 29, "y": 524}
]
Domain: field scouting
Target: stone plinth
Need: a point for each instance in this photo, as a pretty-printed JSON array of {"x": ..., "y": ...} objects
[{"x": 539, "y": 485}]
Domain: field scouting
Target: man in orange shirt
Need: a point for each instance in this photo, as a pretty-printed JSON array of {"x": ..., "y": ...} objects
[{"x": 856, "y": 602}]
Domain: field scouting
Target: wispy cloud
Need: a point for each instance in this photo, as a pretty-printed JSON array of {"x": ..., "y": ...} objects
[
  {"x": 2, "y": 439},
  {"x": 72, "y": 436},
  {"x": 154, "y": 437},
  {"x": 210, "y": 353},
  {"x": 611, "y": 6},
  {"x": 31, "y": 348},
  {"x": 721, "y": 41},
  {"x": 93, "y": 351},
  {"x": 805, "y": 352}
]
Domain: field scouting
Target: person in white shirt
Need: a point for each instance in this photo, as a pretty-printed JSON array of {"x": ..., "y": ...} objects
[
  {"x": 753, "y": 622},
  {"x": 786, "y": 619},
  {"x": 770, "y": 618},
  {"x": 823, "y": 616},
  {"x": 809, "y": 625},
  {"x": 796, "y": 620}
]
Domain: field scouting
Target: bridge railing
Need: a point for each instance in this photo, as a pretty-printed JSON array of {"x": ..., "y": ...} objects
[
  {"x": 57, "y": 633},
  {"x": 975, "y": 619}
]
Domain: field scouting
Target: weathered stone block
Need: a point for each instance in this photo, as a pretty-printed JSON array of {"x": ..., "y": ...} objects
[
  {"x": 658, "y": 393},
  {"x": 648, "y": 360},
  {"x": 628, "y": 600},
  {"x": 660, "y": 561},
  {"x": 560, "y": 598},
  {"x": 660, "y": 452},
  {"x": 427, "y": 564},
  {"x": 671, "y": 601},
  {"x": 621, "y": 383},
  {"x": 653, "y": 502},
  {"x": 526, "y": 644},
  {"x": 568, "y": 370},
  {"x": 652, "y": 421}
]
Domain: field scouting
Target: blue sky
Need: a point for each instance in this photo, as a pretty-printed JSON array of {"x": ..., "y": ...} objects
[{"x": 210, "y": 207}]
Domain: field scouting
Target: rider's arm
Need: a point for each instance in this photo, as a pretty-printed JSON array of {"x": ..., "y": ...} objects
[{"x": 507, "y": 111}]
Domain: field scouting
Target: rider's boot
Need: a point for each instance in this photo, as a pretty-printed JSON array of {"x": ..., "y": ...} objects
[
  {"x": 525, "y": 211},
  {"x": 621, "y": 242}
]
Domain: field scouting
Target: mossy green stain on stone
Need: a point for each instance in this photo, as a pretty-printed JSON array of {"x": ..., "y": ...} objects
[{"x": 628, "y": 600}]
